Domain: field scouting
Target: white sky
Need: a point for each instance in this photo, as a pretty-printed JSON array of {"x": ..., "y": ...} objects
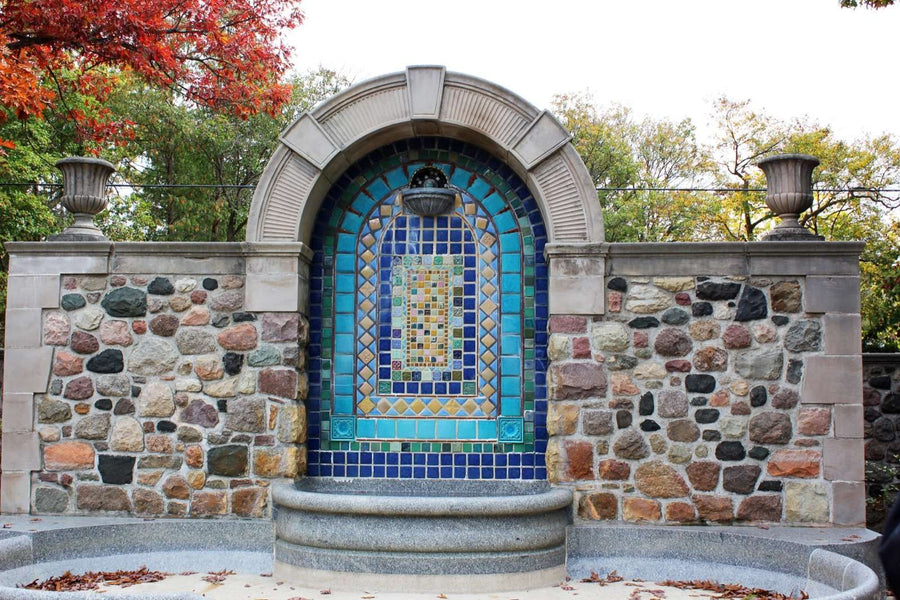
[{"x": 665, "y": 58}]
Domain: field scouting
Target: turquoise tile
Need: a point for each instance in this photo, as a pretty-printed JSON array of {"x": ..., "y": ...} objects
[
  {"x": 365, "y": 428},
  {"x": 351, "y": 222},
  {"x": 510, "y": 324},
  {"x": 479, "y": 188},
  {"x": 343, "y": 384},
  {"x": 511, "y": 282},
  {"x": 346, "y": 242},
  {"x": 344, "y": 323},
  {"x": 494, "y": 203},
  {"x": 487, "y": 430},
  {"x": 346, "y": 282},
  {"x": 510, "y": 263},
  {"x": 511, "y": 429},
  {"x": 426, "y": 429},
  {"x": 465, "y": 430},
  {"x": 345, "y": 263},
  {"x": 509, "y": 345},
  {"x": 509, "y": 242},
  {"x": 343, "y": 363},
  {"x": 386, "y": 428},
  {"x": 362, "y": 204},
  {"x": 510, "y": 303},
  {"x": 510, "y": 385},
  {"x": 510, "y": 405},
  {"x": 505, "y": 221},
  {"x": 344, "y": 343},
  {"x": 342, "y": 428},
  {"x": 406, "y": 429},
  {"x": 446, "y": 429},
  {"x": 378, "y": 190},
  {"x": 343, "y": 303},
  {"x": 510, "y": 365},
  {"x": 343, "y": 406},
  {"x": 396, "y": 178},
  {"x": 460, "y": 178}
]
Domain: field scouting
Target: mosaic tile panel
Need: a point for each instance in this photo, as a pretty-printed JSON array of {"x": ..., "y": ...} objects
[{"x": 429, "y": 334}]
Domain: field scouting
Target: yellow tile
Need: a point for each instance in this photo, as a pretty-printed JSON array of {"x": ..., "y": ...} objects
[
  {"x": 375, "y": 224},
  {"x": 434, "y": 406},
  {"x": 452, "y": 407},
  {"x": 368, "y": 240},
  {"x": 366, "y": 355},
  {"x": 366, "y": 372},
  {"x": 367, "y": 272},
  {"x": 366, "y": 405},
  {"x": 488, "y": 340},
  {"x": 487, "y": 389},
  {"x": 488, "y": 373},
  {"x": 487, "y": 407},
  {"x": 488, "y": 323},
  {"x": 367, "y": 288},
  {"x": 366, "y": 389},
  {"x": 383, "y": 406},
  {"x": 400, "y": 406},
  {"x": 418, "y": 406}
]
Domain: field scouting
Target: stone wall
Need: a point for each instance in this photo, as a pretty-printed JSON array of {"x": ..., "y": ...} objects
[
  {"x": 165, "y": 395},
  {"x": 881, "y": 398},
  {"x": 729, "y": 398}
]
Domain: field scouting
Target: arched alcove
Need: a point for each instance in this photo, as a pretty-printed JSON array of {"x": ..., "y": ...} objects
[{"x": 428, "y": 334}]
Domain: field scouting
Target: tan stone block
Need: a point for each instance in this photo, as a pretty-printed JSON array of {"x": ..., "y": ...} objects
[
  {"x": 18, "y": 412},
  {"x": 842, "y": 334},
  {"x": 21, "y": 451},
  {"x": 805, "y": 502},
  {"x": 843, "y": 459},
  {"x": 849, "y": 499},
  {"x": 623, "y": 385},
  {"x": 15, "y": 492},
  {"x": 832, "y": 380},
  {"x": 848, "y": 421},
  {"x": 562, "y": 419},
  {"x": 196, "y": 479},
  {"x": 27, "y": 369},
  {"x": 674, "y": 284},
  {"x": 23, "y": 328},
  {"x": 832, "y": 294}
]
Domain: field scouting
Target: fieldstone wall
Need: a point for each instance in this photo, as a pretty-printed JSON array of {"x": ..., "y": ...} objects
[
  {"x": 167, "y": 398},
  {"x": 708, "y": 399},
  {"x": 881, "y": 397}
]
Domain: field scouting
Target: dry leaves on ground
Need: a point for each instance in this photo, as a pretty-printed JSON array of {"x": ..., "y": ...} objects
[
  {"x": 732, "y": 590},
  {"x": 67, "y": 582}
]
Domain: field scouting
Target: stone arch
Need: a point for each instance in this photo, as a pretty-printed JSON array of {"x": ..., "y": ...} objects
[{"x": 423, "y": 101}]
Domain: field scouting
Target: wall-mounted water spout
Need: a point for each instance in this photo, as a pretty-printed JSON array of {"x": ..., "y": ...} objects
[{"x": 428, "y": 194}]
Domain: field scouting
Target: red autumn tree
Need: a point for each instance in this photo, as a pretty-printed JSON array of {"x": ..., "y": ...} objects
[{"x": 226, "y": 54}]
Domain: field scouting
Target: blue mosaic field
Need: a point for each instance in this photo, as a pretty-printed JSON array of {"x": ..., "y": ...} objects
[{"x": 428, "y": 334}]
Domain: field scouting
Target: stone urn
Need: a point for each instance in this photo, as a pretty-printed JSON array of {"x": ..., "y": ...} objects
[
  {"x": 428, "y": 194},
  {"x": 84, "y": 195},
  {"x": 789, "y": 193}
]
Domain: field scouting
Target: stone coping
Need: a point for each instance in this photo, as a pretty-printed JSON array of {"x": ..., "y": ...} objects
[
  {"x": 191, "y": 249},
  {"x": 881, "y": 358}
]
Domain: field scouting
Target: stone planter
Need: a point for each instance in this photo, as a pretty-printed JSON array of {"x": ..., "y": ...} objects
[
  {"x": 84, "y": 195},
  {"x": 789, "y": 193}
]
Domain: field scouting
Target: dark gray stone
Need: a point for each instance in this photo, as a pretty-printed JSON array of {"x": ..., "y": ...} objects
[
  {"x": 623, "y": 419},
  {"x": 706, "y": 415},
  {"x": 881, "y": 382},
  {"x": 758, "y": 396},
  {"x": 701, "y": 309},
  {"x": 116, "y": 469},
  {"x": 700, "y": 384},
  {"x": 618, "y": 284},
  {"x": 891, "y": 404},
  {"x": 166, "y": 427},
  {"x": 621, "y": 362},
  {"x": 649, "y": 425},
  {"x": 210, "y": 284},
  {"x": 240, "y": 317},
  {"x": 712, "y": 435},
  {"x": 675, "y": 316},
  {"x": 108, "y": 361},
  {"x": 780, "y": 320},
  {"x": 740, "y": 479},
  {"x": 770, "y": 486},
  {"x": 233, "y": 362},
  {"x": 103, "y": 404},
  {"x": 125, "y": 302},
  {"x": 221, "y": 321},
  {"x": 709, "y": 290},
  {"x": 161, "y": 286},
  {"x": 643, "y": 322},
  {"x": 730, "y": 451},
  {"x": 72, "y": 301},
  {"x": 227, "y": 461},
  {"x": 645, "y": 405},
  {"x": 752, "y": 305},
  {"x": 758, "y": 453},
  {"x": 883, "y": 430},
  {"x": 699, "y": 401},
  {"x": 264, "y": 356},
  {"x": 56, "y": 387}
]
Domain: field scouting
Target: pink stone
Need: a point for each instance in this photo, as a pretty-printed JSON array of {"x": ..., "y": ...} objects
[
  {"x": 814, "y": 421},
  {"x": 567, "y": 324},
  {"x": 678, "y": 366},
  {"x": 278, "y": 382},
  {"x": 581, "y": 347},
  {"x": 81, "y": 388},
  {"x": 56, "y": 330},
  {"x": 241, "y": 337},
  {"x": 84, "y": 343},
  {"x": 736, "y": 337},
  {"x": 280, "y": 327},
  {"x": 198, "y": 296},
  {"x": 614, "y": 301},
  {"x": 66, "y": 364},
  {"x": 115, "y": 333},
  {"x": 641, "y": 339},
  {"x": 683, "y": 299},
  {"x": 68, "y": 456},
  {"x": 70, "y": 283},
  {"x": 118, "y": 280},
  {"x": 139, "y": 327},
  {"x": 197, "y": 315}
]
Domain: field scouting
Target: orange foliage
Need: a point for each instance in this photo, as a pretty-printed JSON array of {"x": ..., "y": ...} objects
[{"x": 225, "y": 54}]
